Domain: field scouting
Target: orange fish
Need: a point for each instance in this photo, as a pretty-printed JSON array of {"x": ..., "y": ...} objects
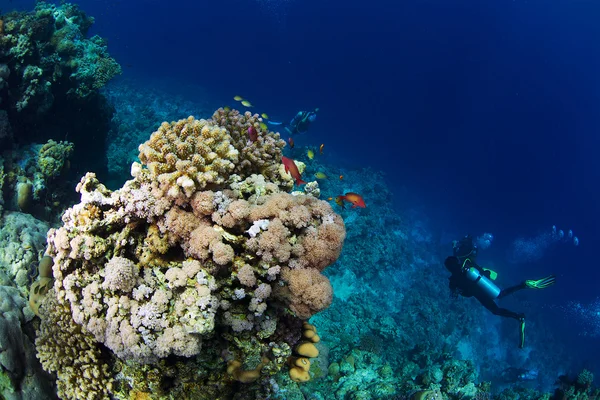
[
  {"x": 329, "y": 198},
  {"x": 341, "y": 177},
  {"x": 292, "y": 169},
  {"x": 291, "y": 142},
  {"x": 321, "y": 148},
  {"x": 355, "y": 199}
]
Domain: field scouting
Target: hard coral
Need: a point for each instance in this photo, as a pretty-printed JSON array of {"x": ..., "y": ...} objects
[
  {"x": 189, "y": 155},
  {"x": 261, "y": 156}
]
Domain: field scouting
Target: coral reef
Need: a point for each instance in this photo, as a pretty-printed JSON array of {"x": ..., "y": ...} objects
[
  {"x": 48, "y": 68},
  {"x": 47, "y": 47},
  {"x": 155, "y": 268}
]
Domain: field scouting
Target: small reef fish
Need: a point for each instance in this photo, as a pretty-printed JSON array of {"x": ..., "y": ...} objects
[
  {"x": 292, "y": 169},
  {"x": 339, "y": 201},
  {"x": 310, "y": 154},
  {"x": 252, "y": 133},
  {"x": 320, "y": 175},
  {"x": 264, "y": 127},
  {"x": 321, "y": 148},
  {"x": 291, "y": 142},
  {"x": 246, "y": 103},
  {"x": 264, "y": 115},
  {"x": 226, "y": 108},
  {"x": 355, "y": 199},
  {"x": 341, "y": 177},
  {"x": 238, "y": 98}
]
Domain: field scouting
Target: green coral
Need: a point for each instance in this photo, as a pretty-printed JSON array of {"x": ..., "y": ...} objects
[
  {"x": 48, "y": 46},
  {"x": 53, "y": 158},
  {"x": 93, "y": 67}
]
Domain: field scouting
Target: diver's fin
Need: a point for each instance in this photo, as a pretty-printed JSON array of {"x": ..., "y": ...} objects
[
  {"x": 541, "y": 283},
  {"x": 522, "y": 332},
  {"x": 493, "y": 274}
]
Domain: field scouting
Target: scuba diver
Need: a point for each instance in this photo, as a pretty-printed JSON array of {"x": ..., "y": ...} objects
[
  {"x": 300, "y": 123},
  {"x": 468, "y": 279}
]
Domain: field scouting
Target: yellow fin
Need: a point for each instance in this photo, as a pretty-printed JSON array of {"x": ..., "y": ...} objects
[{"x": 493, "y": 274}]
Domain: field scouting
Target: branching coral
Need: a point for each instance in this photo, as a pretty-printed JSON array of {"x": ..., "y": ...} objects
[
  {"x": 188, "y": 155},
  {"x": 255, "y": 157}
]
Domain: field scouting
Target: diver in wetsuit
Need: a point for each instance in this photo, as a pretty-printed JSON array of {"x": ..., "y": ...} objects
[
  {"x": 468, "y": 279},
  {"x": 300, "y": 123}
]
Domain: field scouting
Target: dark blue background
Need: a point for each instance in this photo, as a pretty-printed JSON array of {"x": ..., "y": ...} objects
[{"x": 488, "y": 111}]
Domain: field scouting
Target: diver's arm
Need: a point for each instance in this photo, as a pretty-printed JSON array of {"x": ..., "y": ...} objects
[{"x": 482, "y": 271}]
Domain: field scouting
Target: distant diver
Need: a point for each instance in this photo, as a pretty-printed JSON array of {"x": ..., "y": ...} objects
[
  {"x": 468, "y": 279},
  {"x": 514, "y": 375},
  {"x": 300, "y": 123}
]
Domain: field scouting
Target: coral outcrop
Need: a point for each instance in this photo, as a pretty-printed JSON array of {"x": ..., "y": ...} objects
[
  {"x": 49, "y": 67},
  {"x": 191, "y": 246}
]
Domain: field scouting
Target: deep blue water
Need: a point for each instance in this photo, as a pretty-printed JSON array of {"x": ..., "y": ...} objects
[{"x": 486, "y": 112}]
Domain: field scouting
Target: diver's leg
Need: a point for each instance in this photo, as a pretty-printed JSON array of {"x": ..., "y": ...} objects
[
  {"x": 494, "y": 309},
  {"x": 512, "y": 289}
]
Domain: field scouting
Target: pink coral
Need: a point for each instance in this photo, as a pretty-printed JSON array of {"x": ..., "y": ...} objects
[
  {"x": 323, "y": 245},
  {"x": 200, "y": 240},
  {"x": 273, "y": 242},
  {"x": 310, "y": 291}
]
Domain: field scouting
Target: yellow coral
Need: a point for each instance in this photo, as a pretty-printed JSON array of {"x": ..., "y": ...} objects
[
  {"x": 64, "y": 348},
  {"x": 188, "y": 155},
  {"x": 234, "y": 368}
]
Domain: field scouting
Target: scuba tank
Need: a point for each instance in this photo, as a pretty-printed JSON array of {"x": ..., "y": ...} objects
[{"x": 488, "y": 287}]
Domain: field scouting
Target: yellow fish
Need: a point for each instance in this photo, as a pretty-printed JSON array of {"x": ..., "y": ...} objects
[
  {"x": 238, "y": 98},
  {"x": 246, "y": 103},
  {"x": 320, "y": 175},
  {"x": 321, "y": 148},
  {"x": 264, "y": 127},
  {"x": 264, "y": 115},
  {"x": 226, "y": 108},
  {"x": 310, "y": 154}
]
